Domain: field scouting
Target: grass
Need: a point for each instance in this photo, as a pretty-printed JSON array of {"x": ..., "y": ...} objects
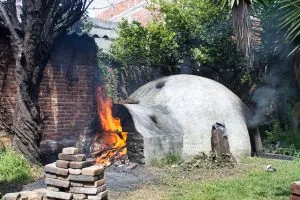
[
  {"x": 254, "y": 184},
  {"x": 247, "y": 181},
  {"x": 15, "y": 168},
  {"x": 168, "y": 159}
]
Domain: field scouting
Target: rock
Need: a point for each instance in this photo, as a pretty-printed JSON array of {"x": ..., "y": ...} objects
[
  {"x": 40, "y": 190},
  {"x": 52, "y": 188},
  {"x": 67, "y": 157},
  {"x": 59, "y": 195},
  {"x": 80, "y": 165},
  {"x": 79, "y": 196},
  {"x": 95, "y": 184},
  {"x": 76, "y": 184},
  {"x": 70, "y": 150},
  {"x": 31, "y": 195},
  {"x": 65, "y": 178},
  {"x": 51, "y": 168},
  {"x": 93, "y": 170},
  {"x": 269, "y": 168},
  {"x": 100, "y": 196},
  {"x": 85, "y": 178},
  {"x": 84, "y": 190},
  {"x": 57, "y": 182},
  {"x": 74, "y": 171},
  {"x": 62, "y": 164},
  {"x": 11, "y": 196},
  {"x": 48, "y": 175}
]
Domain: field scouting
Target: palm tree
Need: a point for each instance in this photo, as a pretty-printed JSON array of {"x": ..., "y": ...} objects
[
  {"x": 241, "y": 27},
  {"x": 290, "y": 22}
]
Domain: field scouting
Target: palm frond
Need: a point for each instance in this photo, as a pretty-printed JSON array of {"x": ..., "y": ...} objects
[{"x": 290, "y": 22}]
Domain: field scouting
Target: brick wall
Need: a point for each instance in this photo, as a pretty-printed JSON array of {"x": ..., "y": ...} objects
[
  {"x": 66, "y": 93},
  {"x": 132, "y": 10}
]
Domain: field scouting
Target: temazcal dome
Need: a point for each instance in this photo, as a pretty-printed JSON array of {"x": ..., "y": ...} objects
[{"x": 186, "y": 107}]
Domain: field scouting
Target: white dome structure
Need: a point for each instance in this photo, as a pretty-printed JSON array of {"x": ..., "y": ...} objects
[{"x": 185, "y": 107}]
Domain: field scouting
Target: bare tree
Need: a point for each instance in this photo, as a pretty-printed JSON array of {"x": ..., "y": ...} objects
[{"x": 33, "y": 28}]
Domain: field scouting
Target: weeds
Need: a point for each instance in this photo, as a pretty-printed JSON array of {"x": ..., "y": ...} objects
[
  {"x": 15, "y": 168},
  {"x": 168, "y": 159}
]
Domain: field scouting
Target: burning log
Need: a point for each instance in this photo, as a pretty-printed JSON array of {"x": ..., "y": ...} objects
[
  {"x": 110, "y": 143},
  {"x": 99, "y": 153}
]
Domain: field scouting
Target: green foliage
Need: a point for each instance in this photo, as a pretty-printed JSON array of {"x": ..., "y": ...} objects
[
  {"x": 138, "y": 47},
  {"x": 289, "y": 15},
  {"x": 197, "y": 33},
  {"x": 168, "y": 159},
  {"x": 289, "y": 139},
  {"x": 14, "y": 167}
]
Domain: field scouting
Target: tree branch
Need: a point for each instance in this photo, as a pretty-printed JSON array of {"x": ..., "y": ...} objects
[{"x": 9, "y": 25}]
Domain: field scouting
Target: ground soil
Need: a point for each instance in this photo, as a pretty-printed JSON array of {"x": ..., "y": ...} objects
[{"x": 146, "y": 182}]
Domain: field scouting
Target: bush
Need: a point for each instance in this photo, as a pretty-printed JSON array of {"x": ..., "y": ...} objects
[
  {"x": 282, "y": 139},
  {"x": 14, "y": 167}
]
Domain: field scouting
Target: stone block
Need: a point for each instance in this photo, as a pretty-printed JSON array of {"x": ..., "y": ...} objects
[
  {"x": 31, "y": 195},
  {"x": 57, "y": 182},
  {"x": 59, "y": 195},
  {"x": 62, "y": 164},
  {"x": 74, "y": 171},
  {"x": 65, "y": 178},
  {"x": 80, "y": 165},
  {"x": 79, "y": 196},
  {"x": 12, "y": 196},
  {"x": 295, "y": 188},
  {"x": 70, "y": 150},
  {"x": 48, "y": 175},
  {"x": 67, "y": 157},
  {"x": 93, "y": 170},
  {"x": 84, "y": 178},
  {"x": 52, "y": 188},
  {"x": 51, "y": 168},
  {"x": 76, "y": 184},
  {"x": 40, "y": 190},
  {"x": 101, "y": 196},
  {"x": 95, "y": 184},
  {"x": 84, "y": 190}
]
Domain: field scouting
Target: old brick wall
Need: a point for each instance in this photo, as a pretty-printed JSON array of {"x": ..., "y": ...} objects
[
  {"x": 66, "y": 93},
  {"x": 132, "y": 10}
]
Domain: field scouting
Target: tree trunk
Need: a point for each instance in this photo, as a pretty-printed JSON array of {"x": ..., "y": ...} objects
[
  {"x": 27, "y": 121},
  {"x": 242, "y": 30}
]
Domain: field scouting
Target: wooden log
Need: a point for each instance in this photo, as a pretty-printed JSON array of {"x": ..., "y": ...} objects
[{"x": 219, "y": 143}]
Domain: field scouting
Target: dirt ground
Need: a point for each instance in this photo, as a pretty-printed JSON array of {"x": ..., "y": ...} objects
[{"x": 159, "y": 181}]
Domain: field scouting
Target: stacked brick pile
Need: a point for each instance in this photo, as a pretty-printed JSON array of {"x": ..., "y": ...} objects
[
  {"x": 295, "y": 188},
  {"x": 74, "y": 177}
]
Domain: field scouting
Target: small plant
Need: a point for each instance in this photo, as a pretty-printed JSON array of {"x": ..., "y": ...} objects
[
  {"x": 209, "y": 161},
  {"x": 168, "y": 159},
  {"x": 15, "y": 168}
]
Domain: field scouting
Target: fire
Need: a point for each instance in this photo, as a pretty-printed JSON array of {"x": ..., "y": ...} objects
[{"x": 112, "y": 139}]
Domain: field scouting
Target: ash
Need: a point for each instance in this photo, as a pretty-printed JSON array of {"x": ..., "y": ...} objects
[
  {"x": 118, "y": 177},
  {"x": 129, "y": 176}
]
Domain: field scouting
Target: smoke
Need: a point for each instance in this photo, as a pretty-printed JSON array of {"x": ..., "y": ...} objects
[
  {"x": 265, "y": 98},
  {"x": 274, "y": 98}
]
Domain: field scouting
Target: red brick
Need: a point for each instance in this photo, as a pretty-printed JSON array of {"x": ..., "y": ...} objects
[{"x": 295, "y": 188}]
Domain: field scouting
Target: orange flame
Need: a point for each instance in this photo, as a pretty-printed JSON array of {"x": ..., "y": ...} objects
[{"x": 113, "y": 139}]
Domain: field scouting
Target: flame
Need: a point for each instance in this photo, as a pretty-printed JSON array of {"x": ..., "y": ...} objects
[{"x": 112, "y": 139}]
